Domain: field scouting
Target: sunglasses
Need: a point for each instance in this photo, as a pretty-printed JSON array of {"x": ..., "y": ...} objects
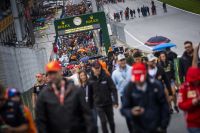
[
  {"x": 122, "y": 59},
  {"x": 187, "y": 47},
  {"x": 97, "y": 67}
]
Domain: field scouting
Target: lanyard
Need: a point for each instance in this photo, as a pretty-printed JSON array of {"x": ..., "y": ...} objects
[
  {"x": 86, "y": 93},
  {"x": 60, "y": 95}
]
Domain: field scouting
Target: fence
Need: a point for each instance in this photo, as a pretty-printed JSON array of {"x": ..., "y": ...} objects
[
  {"x": 18, "y": 66},
  {"x": 118, "y": 31}
]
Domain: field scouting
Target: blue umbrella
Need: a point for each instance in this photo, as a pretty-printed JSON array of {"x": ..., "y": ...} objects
[
  {"x": 84, "y": 59},
  {"x": 163, "y": 46},
  {"x": 41, "y": 20}
]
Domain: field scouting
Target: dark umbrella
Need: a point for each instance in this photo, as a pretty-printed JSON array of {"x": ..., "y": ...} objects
[
  {"x": 153, "y": 41},
  {"x": 84, "y": 59},
  {"x": 95, "y": 57},
  {"x": 74, "y": 62}
]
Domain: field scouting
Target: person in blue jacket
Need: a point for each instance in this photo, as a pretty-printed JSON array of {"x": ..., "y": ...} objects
[{"x": 145, "y": 103}]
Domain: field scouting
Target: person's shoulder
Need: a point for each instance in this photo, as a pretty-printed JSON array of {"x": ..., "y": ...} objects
[
  {"x": 184, "y": 86},
  {"x": 130, "y": 85},
  {"x": 114, "y": 73},
  {"x": 160, "y": 68},
  {"x": 129, "y": 67},
  {"x": 45, "y": 89}
]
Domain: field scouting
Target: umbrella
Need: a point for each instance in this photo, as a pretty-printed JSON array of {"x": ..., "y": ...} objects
[
  {"x": 84, "y": 59},
  {"x": 163, "y": 46},
  {"x": 70, "y": 66},
  {"x": 157, "y": 40},
  {"x": 40, "y": 19},
  {"x": 95, "y": 57},
  {"x": 74, "y": 62}
]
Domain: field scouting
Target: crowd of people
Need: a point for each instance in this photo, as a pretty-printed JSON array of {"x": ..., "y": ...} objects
[
  {"x": 140, "y": 11},
  {"x": 146, "y": 85},
  {"x": 79, "y": 86},
  {"x": 75, "y": 9}
]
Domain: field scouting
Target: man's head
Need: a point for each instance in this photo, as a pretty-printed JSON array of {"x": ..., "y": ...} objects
[
  {"x": 121, "y": 60},
  {"x": 151, "y": 61},
  {"x": 96, "y": 68},
  {"x": 137, "y": 57},
  {"x": 53, "y": 70},
  {"x": 39, "y": 77},
  {"x": 188, "y": 47},
  {"x": 139, "y": 73}
]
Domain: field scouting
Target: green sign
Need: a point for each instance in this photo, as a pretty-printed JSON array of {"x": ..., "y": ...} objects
[{"x": 82, "y": 23}]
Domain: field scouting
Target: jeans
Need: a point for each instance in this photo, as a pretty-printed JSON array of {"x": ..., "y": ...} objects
[
  {"x": 106, "y": 115},
  {"x": 193, "y": 130},
  {"x": 94, "y": 113}
]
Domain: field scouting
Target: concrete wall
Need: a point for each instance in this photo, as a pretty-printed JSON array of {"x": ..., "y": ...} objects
[{"x": 18, "y": 66}]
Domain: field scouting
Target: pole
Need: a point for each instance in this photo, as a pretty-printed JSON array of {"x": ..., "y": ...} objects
[
  {"x": 94, "y": 5},
  {"x": 17, "y": 25}
]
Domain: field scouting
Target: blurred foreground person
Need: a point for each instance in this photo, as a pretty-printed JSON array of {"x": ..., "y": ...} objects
[
  {"x": 61, "y": 107},
  {"x": 145, "y": 103},
  {"x": 15, "y": 96},
  {"x": 104, "y": 95},
  {"x": 189, "y": 99},
  {"x": 12, "y": 119}
]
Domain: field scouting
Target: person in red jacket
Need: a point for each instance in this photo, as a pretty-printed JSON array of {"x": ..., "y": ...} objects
[{"x": 189, "y": 99}]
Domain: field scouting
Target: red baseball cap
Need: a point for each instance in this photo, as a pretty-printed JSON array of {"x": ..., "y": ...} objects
[{"x": 138, "y": 72}]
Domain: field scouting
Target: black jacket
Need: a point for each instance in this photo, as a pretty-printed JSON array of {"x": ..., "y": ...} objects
[
  {"x": 104, "y": 90},
  {"x": 162, "y": 77},
  {"x": 72, "y": 117},
  {"x": 153, "y": 100},
  {"x": 171, "y": 56},
  {"x": 88, "y": 94},
  {"x": 184, "y": 64},
  {"x": 168, "y": 68}
]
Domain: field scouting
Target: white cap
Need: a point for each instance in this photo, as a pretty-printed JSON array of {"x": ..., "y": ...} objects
[
  {"x": 151, "y": 57},
  {"x": 120, "y": 57}
]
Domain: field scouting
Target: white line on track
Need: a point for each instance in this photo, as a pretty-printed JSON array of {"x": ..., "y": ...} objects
[{"x": 137, "y": 40}]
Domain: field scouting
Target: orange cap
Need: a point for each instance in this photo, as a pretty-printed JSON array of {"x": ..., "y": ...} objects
[{"x": 53, "y": 66}]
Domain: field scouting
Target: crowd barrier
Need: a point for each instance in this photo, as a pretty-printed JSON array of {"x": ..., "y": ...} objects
[{"x": 18, "y": 67}]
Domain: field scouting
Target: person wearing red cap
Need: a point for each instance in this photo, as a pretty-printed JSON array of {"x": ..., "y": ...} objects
[
  {"x": 61, "y": 106},
  {"x": 189, "y": 99},
  {"x": 145, "y": 103}
]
